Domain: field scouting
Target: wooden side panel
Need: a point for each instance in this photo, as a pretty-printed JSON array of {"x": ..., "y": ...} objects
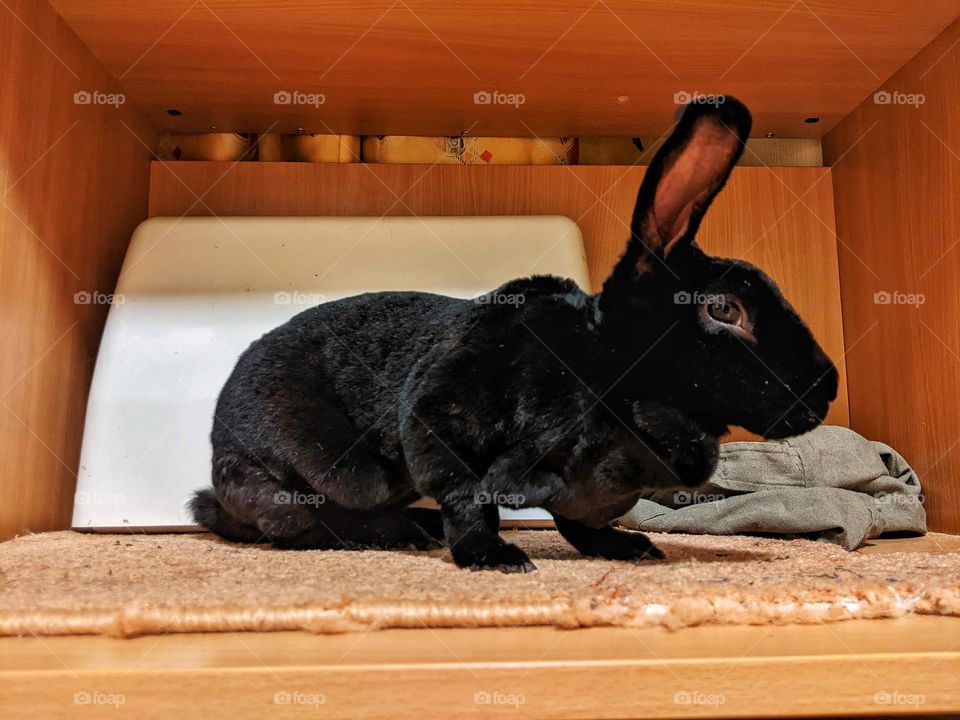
[
  {"x": 896, "y": 169},
  {"x": 781, "y": 219},
  {"x": 74, "y": 181}
]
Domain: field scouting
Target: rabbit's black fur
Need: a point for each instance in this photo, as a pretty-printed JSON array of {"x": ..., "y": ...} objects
[{"x": 331, "y": 424}]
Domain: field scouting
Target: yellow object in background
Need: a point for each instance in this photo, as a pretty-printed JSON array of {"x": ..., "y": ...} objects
[
  {"x": 587, "y": 150},
  {"x": 202, "y": 146},
  {"x": 309, "y": 148},
  {"x": 607, "y": 150},
  {"x": 470, "y": 150}
]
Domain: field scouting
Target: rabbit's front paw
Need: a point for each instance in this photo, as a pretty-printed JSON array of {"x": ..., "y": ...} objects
[
  {"x": 695, "y": 458},
  {"x": 424, "y": 542},
  {"x": 689, "y": 452},
  {"x": 626, "y": 545},
  {"x": 491, "y": 554},
  {"x": 607, "y": 542}
]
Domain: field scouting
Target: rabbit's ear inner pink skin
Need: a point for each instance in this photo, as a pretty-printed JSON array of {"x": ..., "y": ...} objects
[
  {"x": 690, "y": 179},
  {"x": 685, "y": 175}
]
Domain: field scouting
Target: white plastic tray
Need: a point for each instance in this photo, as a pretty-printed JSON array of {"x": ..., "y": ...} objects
[{"x": 195, "y": 292}]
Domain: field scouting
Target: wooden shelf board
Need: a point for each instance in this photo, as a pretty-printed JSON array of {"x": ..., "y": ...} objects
[
  {"x": 903, "y": 666},
  {"x": 414, "y": 67}
]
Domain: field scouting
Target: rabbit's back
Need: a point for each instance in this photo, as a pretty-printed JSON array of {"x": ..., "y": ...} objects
[{"x": 352, "y": 354}]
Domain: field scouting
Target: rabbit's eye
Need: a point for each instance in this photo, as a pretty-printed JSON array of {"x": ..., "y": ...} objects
[{"x": 725, "y": 312}]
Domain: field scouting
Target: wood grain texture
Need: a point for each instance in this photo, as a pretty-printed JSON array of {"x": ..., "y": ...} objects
[
  {"x": 897, "y": 180},
  {"x": 413, "y": 67},
  {"x": 861, "y": 667},
  {"x": 780, "y": 219},
  {"x": 73, "y": 180}
]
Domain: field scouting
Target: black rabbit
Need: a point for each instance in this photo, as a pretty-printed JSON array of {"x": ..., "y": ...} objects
[{"x": 534, "y": 395}]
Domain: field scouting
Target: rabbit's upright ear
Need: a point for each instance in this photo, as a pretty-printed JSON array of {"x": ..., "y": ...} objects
[{"x": 686, "y": 174}]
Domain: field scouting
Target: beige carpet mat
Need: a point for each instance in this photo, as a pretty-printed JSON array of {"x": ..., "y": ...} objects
[{"x": 66, "y": 583}]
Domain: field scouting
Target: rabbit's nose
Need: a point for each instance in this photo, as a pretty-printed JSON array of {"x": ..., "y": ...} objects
[
  {"x": 834, "y": 383},
  {"x": 826, "y": 381},
  {"x": 825, "y": 378}
]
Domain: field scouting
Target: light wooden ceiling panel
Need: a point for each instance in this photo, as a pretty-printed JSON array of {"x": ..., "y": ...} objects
[{"x": 594, "y": 67}]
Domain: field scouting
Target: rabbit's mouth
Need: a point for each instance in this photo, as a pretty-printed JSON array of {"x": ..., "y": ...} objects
[
  {"x": 803, "y": 420},
  {"x": 807, "y": 409}
]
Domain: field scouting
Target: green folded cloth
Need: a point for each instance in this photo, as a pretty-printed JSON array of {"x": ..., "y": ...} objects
[{"x": 831, "y": 483}]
